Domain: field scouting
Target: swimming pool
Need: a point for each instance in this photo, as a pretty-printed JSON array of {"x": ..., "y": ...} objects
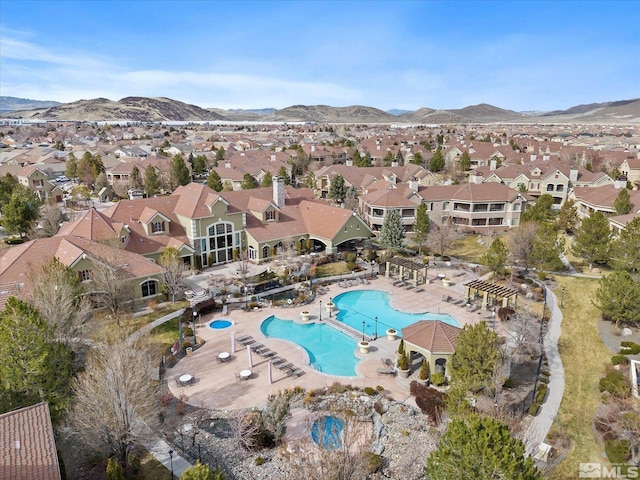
[
  {"x": 365, "y": 305},
  {"x": 330, "y": 351}
]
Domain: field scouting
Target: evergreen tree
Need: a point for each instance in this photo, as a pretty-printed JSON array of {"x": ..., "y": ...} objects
[
  {"x": 547, "y": 248},
  {"x": 399, "y": 158},
  {"x": 568, "y": 216},
  {"x": 337, "y": 189},
  {"x": 178, "y": 172},
  {"x": 151, "y": 182},
  {"x": 625, "y": 254},
  {"x": 417, "y": 159},
  {"x": 465, "y": 161},
  {"x": 214, "y": 181},
  {"x": 618, "y": 298},
  {"x": 200, "y": 164},
  {"x": 248, "y": 182},
  {"x": 267, "y": 180},
  {"x": 437, "y": 163},
  {"x": 310, "y": 181},
  {"x": 282, "y": 172},
  {"x": 496, "y": 257},
  {"x": 33, "y": 366},
  {"x": 592, "y": 240},
  {"x": 71, "y": 170},
  {"x": 622, "y": 203},
  {"x": 392, "y": 231},
  {"x": 476, "y": 356},
  {"x": 357, "y": 159},
  {"x": 191, "y": 160},
  {"x": 135, "y": 180},
  {"x": 366, "y": 160},
  {"x": 480, "y": 447},
  {"x": 22, "y": 211},
  {"x": 220, "y": 156},
  {"x": 422, "y": 225},
  {"x": 388, "y": 158},
  {"x": 542, "y": 211}
]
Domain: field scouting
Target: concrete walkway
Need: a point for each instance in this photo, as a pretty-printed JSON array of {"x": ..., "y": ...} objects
[
  {"x": 172, "y": 462},
  {"x": 541, "y": 424}
]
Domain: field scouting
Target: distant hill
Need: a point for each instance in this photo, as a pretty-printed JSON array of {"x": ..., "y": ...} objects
[
  {"x": 164, "y": 109},
  {"x": 326, "y": 114},
  {"x": 242, "y": 115},
  {"x": 141, "y": 109},
  {"x": 8, "y": 104}
]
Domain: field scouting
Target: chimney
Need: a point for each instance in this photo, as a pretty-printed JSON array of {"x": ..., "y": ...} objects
[
  {"x": 313, "y": 148},
  {"x": 278, "y": 191},
  {"x": 227, "y": 164},
  {"x": 573, "y": 175},
  {"x": 349, "y": 162},
  {"x": 273, "y": 157},
  {"x": 394, "y": 163},
  {"x": 413, "y": 184},
  {"x": 476, "y": 177},
  {"x": 493, "y": 164},
  {"x": 620, "y": 182}
]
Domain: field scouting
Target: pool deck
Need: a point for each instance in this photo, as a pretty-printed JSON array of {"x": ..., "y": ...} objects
[{"x": 217, "y": 387}]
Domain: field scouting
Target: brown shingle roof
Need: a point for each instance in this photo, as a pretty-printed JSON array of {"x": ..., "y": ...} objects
[
  {"x": 432, "y": 335},
  {"x": 92, "y": 225},
  {"x": 28, "y": 445}
]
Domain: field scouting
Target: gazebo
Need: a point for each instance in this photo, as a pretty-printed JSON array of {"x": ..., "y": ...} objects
[
  {"x": 492, "y": 293},
  {"x": 407, "y": 269},
  {"x": 435, "y": 340}
]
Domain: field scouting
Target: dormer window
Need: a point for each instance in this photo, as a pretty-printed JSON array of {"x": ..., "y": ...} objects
[
  {"x": 270, "y": 215},
  {"x": 157, "y": 227}
]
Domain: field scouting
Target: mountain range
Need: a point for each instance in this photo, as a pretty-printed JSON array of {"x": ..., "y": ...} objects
[{"x": 158, "y": 109}]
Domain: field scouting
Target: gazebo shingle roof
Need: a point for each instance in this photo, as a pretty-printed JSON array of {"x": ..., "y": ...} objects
[{"x": 435, "y": 336}]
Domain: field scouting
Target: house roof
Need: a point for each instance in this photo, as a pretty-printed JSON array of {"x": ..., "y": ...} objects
[
  {"x": 28, "y": 445},
  {"x": 92, "y": 225},
  {"x": 470, "y": 192},
  {"x": 435, "y": 336},
  {"x": 604, "y": 197}
]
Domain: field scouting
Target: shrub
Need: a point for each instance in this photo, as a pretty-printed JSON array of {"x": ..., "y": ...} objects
[
  {"x": 428, "y": 400},
  {"x": 438, "y": 379},
  {"x": 617, "y": 450},
  {"x": 14, "y": 241},
  {"x": 379, "y": 408},
  {"x": 629, "y": 348},
  {"x": 541, "y": 393},
  {"x": 259, "y": 460},
  {"x": 403, "y": 363},
  {"x": 533, "y": 409},
  {"x": 425, "y": 371},
  {"x": 542, "y": 276},
  {"x": 616, "y": 384},
  {"x": 380, "y": 388},
  {"x": 619, "y": 360},
  {"x": 508, "y": 383},
  {"x": 370, "y": 391},
  {"x": 504, "y": 313},
  {"x": 374, "y": 462}
]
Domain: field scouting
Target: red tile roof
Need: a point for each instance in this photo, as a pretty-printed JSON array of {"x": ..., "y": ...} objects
[{"x": 28, "y": 445}]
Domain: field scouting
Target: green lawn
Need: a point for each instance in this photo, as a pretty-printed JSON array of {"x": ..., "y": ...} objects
[{"x": 584, "y": 357}]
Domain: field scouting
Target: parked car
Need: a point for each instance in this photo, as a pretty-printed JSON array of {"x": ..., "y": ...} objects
[{"x": 61, "y": 179}]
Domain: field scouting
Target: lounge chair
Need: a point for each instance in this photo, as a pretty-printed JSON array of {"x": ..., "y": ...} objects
[
  {"x": 386, "y": 371},
  {"x": 277, "y": 360},
  {"x": 247, "y": 341},
  {"x": 243, "y": 337},
  {"x": 266, "y": 353}
]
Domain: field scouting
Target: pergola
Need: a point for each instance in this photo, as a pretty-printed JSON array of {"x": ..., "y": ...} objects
[
  {"x": 415, "y": 271},
  {"x": 492, "y": 293}
]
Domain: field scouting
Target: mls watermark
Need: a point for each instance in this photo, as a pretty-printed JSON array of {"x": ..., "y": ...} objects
[{"x": 601, "y": 470}]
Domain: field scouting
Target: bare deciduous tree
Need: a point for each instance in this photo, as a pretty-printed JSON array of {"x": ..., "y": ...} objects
[
  {"x": 173, "y": 270},
  {"x": 57, "y": 294},
  {"x": 110, "y": 284},
  {"x": 524, "y": 335},
  {"x": 51, "y": 217},
  {"x": 114, "y": 396},
  {"x": 442, "y": 237},
  {"x": 521, "y": 242}
]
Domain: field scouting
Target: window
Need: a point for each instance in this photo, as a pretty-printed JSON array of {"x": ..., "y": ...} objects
[
  {"x": 221, "y": 242},
  {"x": 265, "y": 252},
  {"x": 550, "y": 187},
  {"x": 157, "y": 227},
  {"x": 559, "y": 188},
  {"x": 149, "y": 288},
  {"x": 270, "y": 215},
  {"x": 251, "y": 253},
  {"x": 84, "y": 275},
  {"x": 203, "y": 245}
]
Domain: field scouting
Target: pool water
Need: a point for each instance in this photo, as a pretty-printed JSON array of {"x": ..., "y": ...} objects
[
  {"x": 330, "y": 351},
  {"x": 326, "y": 432},
  {"x": 220, "y": 324},
  {"x": 365, "y": 305}
]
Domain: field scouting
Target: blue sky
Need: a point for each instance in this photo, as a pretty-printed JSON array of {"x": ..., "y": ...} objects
[{"x": 538, "y": 55}]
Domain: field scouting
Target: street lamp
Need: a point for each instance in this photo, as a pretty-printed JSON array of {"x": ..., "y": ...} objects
[
  {"x": 363, "y": 330},
  {"x": 376, "y": 336},
  {"x": 562, "y": 298},
  {"x": 195, "y": 340},
  {"x": 330, "y": 305},
  {"x": 320, "y": 310},
  {"x": 171, "y": 462}
]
